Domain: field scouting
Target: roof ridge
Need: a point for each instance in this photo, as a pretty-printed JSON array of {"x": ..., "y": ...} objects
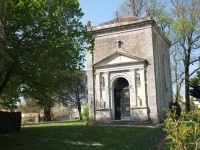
[{"x": 121, "y": 18}]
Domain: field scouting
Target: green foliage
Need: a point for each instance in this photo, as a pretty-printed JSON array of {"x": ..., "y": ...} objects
[
  {"x": 194, "y": 117},
  {"x": 4, "y": 57},
  {"x": 45, "y": 42},
  {"x": 162, "y": 18},
  {"x": 10, "y": 98},
  {"x": 75, "y": 93},
  {"x": 85, "y": 112},
  {"x": 195, "y": 86},
  {"x": 9, "y": 103},
  {"x": 175, "y": 105},
  {"x": 182, "y": 27},
  {"x": 183, "y": 132}
]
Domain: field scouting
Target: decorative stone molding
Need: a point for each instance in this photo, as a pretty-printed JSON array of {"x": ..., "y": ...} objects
[
  {"x": 102, "y": 83},
  {"x": 119, "y": 74}
]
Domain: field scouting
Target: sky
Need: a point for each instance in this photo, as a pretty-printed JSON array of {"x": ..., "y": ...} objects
[{"x": 99, "y": 11}]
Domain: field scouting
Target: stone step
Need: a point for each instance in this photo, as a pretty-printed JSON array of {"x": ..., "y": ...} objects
[
  {"x": 126, "y": 118},
  {"x": 131, "y": 122}
]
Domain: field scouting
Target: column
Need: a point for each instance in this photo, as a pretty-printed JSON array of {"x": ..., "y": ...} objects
[
  {"x": 98, "y": 90},
  {"x": 90, "y": 76},
  {"x": 133, "y": 90}
]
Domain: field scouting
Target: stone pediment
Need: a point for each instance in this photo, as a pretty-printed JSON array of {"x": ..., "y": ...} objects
[{"x": 118, "y": 58}]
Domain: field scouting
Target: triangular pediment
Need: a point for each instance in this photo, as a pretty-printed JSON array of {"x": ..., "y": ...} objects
[{"x": 118, "y": 58}]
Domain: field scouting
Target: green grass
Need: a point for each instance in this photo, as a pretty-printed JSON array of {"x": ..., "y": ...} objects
[
  {"x": 75, "y": 135},
  {"x": 189, "y": 144}
]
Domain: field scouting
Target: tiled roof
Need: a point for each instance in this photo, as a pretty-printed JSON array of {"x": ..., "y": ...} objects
[{"x": 122, "y": 18}]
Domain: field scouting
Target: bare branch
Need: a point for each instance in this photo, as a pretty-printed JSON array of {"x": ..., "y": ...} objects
[
  {"x": 194, "y": 71},
  {"x": 191, "y": 62}
]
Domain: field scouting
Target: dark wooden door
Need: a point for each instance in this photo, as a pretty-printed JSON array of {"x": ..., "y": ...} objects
[
  {"x": 121, "y": 99},
  {"x": 117, "y": 97},
  {"x": 125, "y": 101}
]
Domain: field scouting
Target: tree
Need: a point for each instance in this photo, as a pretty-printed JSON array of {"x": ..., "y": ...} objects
[
  {"x": 186, "y": 36},
  {"x": 30, "y": 106},
  {"x": 45, "y": 42},
  {"x": 177, "y": 72},
  {"x": 138, "y": 8},
  {"x": 133, "y": 7},
  {"x": 10, "y": 99},
  {"x": 4, "y": 57},
  {"x": 76, "y": 93},
  {"x": 195, "y": 86},
  {"x": 58, "y": 111}
]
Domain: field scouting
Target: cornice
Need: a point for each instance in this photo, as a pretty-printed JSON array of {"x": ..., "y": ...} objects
[{"x": 120, "y": 26}]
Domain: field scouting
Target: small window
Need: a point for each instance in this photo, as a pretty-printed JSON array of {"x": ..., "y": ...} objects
[{"x": 119, "y": 44}]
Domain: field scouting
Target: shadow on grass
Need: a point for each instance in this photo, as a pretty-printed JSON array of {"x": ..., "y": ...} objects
[
  {"x": 73, "y": 135},
  {"x": 80, "y": 122}
]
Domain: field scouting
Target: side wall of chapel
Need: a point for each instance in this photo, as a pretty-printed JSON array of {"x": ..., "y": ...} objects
[{"x": 162, "y": 72}]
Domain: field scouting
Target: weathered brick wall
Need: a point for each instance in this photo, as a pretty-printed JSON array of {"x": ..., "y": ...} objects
[
  {"x": 103, "y": 48},
  {"x": 134, "y": 43}
]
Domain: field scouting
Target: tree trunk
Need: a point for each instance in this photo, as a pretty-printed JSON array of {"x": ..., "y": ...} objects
[
  {"x": 6, "y": 79},
  {"x": 177, "y": 92},
  {"x": 187, "y": 97},
  {"x": 47, "y": 112},
  {"x": 2, "y": 20},
  {"x": 78, "y": 102},
  {"x": 178, "y": 84},
  {"x": 79, "y": 108},
  {"x": 3, "y": 55}
]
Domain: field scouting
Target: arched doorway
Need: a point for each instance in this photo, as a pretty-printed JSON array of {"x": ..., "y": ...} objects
[{"x": 121, "y": 99}]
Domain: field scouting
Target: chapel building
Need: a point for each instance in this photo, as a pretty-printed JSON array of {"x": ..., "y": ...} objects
[{"x": 129, "y": 75}]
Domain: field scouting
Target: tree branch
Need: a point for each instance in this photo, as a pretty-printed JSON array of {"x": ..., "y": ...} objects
[
  {"x": 194, "y": 61},
  {"x": 7, "y": 78},
  {"x": 194, "y": 71}
]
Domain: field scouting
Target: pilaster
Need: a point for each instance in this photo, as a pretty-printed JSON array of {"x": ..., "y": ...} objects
[
  {"x": 106, "y": 96},
  {"x": 143, "y": 86},
  {"x": 133, "y": 90}
]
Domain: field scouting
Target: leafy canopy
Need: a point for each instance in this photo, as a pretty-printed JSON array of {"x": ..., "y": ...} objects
[{"x": 45, "y": 42}]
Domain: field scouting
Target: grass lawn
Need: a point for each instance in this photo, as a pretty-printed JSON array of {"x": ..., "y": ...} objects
[{"x": 75, "y": 135}]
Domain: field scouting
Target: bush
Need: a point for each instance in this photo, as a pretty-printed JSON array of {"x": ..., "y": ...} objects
[
  {"x": 184, "y": 131},
  {"x": 85, "y": 112},
  {"x": 175, "y": 108}
]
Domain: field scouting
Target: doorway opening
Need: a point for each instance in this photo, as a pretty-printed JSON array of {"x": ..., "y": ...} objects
[{"x": 121, "y": 99}]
